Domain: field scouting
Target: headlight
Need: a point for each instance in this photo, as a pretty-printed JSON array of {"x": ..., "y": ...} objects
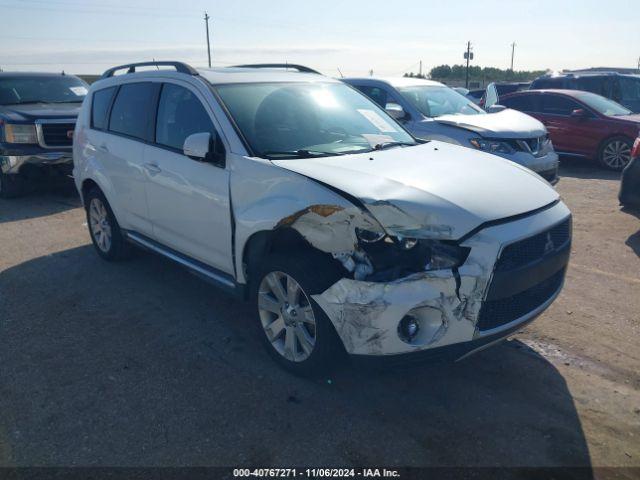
[
  {"x": 14, "y": 133},
  {"x": 445, "y": 256},
  {"x": 369, "y": 236},
  {"x": 491, "y": 146}
]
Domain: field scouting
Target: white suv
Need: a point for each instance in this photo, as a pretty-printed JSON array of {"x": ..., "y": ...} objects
[{"x": 297, "y": 192}]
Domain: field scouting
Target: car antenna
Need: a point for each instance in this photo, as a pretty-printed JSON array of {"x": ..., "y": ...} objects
[{"x": 341, "y": 75}]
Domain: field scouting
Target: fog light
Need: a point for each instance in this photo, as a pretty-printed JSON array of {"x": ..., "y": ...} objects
[{"x": 408, "y": 328}]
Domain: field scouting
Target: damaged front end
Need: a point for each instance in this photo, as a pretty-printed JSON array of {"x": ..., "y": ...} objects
[{"x": 406, "y": 291}]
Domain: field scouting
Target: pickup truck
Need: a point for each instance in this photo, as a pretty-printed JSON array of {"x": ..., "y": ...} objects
[{"x": 38, "y": 113}]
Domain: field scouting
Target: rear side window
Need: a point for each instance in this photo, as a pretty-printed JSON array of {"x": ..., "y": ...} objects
[
  {"x": 524, "y": 103},
  {"x": 599, "y": 85},
  {"x": 132, "y": 114},
  {"x": 557, "y": 105},
  {"x": 180, "y": 114},
  {"x": 100, "y": 107},
  {"x": 543, "y": 83}
]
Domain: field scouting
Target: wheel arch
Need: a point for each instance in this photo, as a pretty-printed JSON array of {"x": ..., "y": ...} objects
[{"x": 279, "y": 240}]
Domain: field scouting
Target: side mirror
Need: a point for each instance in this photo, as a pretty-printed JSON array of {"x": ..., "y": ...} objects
[
  {"x": 197, "y": 146},
  {"x": 579, "y": 113},
  {"x": 495, "y": 108},
  {"x": 200, "y": 146},
  {"x": 395, "y": 111}
]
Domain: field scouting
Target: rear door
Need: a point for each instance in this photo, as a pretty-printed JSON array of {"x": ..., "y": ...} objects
[
  {"x": 122, "y": 150},
  {"x": 188, "y": 199}
]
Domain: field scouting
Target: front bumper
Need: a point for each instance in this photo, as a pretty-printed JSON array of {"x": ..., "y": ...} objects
[
  {"x": 12, "y": 164},
  {"x": 447, "y": 304},
  {"x": 546, "y": 165}
]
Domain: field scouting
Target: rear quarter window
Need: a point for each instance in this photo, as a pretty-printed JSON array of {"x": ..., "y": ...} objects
[
  {"x": 100, "y": 107},
  {"x": 132, "y": 112},
  {"x": 523, "y": 103}
]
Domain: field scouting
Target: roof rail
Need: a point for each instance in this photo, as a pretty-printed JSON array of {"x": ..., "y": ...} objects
[
  {"x": 300, "y": 68},
  {"x": 131, "y": 67}
]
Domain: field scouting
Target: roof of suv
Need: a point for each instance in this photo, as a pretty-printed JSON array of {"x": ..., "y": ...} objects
[
  {"x": 218, "y": 76},
  {"x": 227, "y": 75}
]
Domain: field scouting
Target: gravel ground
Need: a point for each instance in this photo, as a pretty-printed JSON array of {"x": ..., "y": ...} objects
[{"x": 141, "y": 363}]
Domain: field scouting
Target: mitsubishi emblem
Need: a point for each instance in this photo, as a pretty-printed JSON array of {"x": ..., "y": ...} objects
[{"x": 549, "y": 246}]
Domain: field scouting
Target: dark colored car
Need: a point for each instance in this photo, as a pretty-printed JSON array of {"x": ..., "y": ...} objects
[
  {"x": 621, "y": 88},
  {"x": 630, "y": 184},
  {"x": 38, "y": 114},
  {"x": 581, "y": 124}
]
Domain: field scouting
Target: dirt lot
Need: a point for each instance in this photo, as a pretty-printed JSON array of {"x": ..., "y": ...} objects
[{"x": 141, "y": 363}]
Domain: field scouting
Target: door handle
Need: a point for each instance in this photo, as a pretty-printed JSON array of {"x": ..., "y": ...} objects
[
  {"x": 103, "y": 148},
  {"x": 152, "y": 168}
]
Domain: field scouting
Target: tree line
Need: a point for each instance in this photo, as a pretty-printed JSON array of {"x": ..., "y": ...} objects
[{"x": 479, "y": 74}]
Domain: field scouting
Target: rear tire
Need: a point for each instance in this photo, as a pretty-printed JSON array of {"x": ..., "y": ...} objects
[
  {"x": 105, "y": 232},
  {"x": 615, "y": 153},
  {"x": 294, "y": 329},
  {"x": 11, "y": 185}
]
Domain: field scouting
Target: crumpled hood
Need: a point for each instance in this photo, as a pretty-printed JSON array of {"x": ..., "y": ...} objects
[
  {"x": 436, "y": 190},
  {"x": 505, "y": 124},
  {"x": 34, "y": 111}
]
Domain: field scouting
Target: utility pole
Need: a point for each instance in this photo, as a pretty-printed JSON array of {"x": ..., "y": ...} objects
[
  {"x": 513, "y": 49},
  {"x": 468, "y": 55},
  {"x": 420, "y": 69},
  {"x": 206, "y": 21}
]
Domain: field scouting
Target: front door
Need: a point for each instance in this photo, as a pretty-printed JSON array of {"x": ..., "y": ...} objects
[
  {"x": 569, "y": 133},
  {"x": 188, "y": 199}
]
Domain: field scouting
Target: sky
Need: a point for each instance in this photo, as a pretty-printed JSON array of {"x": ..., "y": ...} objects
[{"x": 354, "y": 36}]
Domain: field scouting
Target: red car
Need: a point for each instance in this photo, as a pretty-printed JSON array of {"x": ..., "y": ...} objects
[{"x": 581, "y": 124}]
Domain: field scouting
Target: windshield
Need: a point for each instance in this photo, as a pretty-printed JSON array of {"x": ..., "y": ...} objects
[
  {"x": 434, "y": 101},
  {"x": 41, "y": 89},
  {"x": 602, "y": 105},
  {"x": 294, "y": 120}
]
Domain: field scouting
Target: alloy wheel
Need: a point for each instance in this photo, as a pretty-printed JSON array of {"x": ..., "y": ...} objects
[
  {"x": 99, "y": 224},
  {"x": 616, "y": 154},
  {"x": 287, "y": 316}
]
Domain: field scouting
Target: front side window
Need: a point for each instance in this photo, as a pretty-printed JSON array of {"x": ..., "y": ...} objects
[
  {"x": 293, "y": 120},
  {"x": 132, "y": 110},
  {"x": 41, "y": 89},
  {"x": 376, "y": 94},
  {"x": 557, "y": 105},
  {"x": 180, "y": 114},
  {"x": 602, "y": 105},
  {"x": 100, "y": 107},
  {"x": 437, "y": 101}
]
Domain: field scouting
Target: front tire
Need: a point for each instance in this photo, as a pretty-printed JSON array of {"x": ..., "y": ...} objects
[
  {"x": 615, "y": 153},
  {"x": 294, "y": 329},
  {"x": 105, "y": 232},
  {"x": 11, "y": 185}
]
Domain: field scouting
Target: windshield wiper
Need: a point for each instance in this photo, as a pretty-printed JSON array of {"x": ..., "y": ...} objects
[
  {"x": 385, "y": 145},
  {"x": 302, "y": 153}
]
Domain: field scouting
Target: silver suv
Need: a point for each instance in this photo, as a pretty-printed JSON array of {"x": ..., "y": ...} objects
[{"x": 300, "y": 194}]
